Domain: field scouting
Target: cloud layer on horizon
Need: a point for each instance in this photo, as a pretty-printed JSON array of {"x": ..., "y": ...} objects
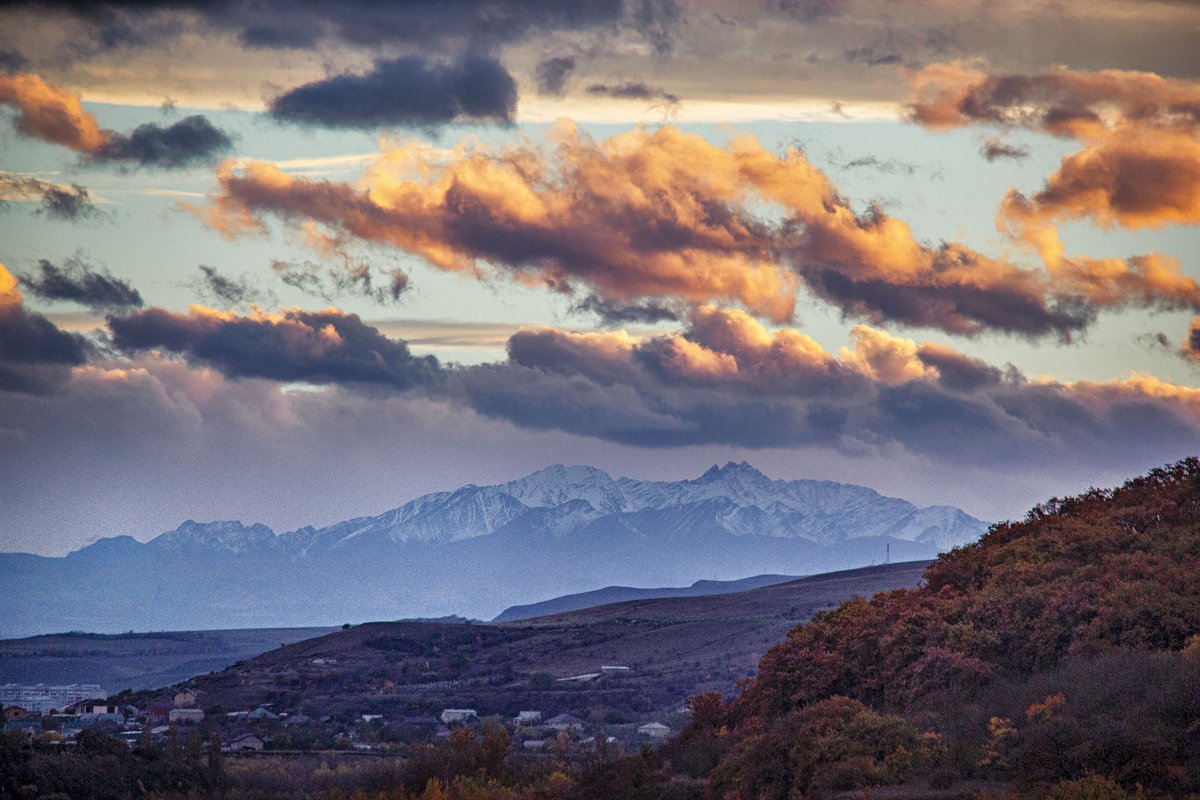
[{"x": 724, "y": 378}]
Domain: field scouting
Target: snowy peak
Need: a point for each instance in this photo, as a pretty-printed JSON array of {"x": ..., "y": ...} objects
[
  {"x": 565, "y": 500},
  {"x": 557, "y": 484},
  {"x": 224, "y": 536}
]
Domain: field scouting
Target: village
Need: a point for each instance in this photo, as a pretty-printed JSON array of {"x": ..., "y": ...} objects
[{"x": 181, "y": 716}]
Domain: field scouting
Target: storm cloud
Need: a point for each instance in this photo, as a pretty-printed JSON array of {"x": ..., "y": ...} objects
[
  {"x": 290, "y": 345},
  {"x": 408, "y": 91},
  {"x": 36, "y": 357}
]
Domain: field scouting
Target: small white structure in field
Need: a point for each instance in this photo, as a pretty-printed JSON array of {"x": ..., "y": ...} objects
[
  {"x": 450, "y": 715},
  {"x": 187, "y": 716},
  {"x": 655, "y": 730},
  {"x": 528, "y": 718}
]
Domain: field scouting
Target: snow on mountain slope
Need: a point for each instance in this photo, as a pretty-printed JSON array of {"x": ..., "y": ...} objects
[
  {"x": 736, "y": 498},
  {"x": 226, "y": 536}
]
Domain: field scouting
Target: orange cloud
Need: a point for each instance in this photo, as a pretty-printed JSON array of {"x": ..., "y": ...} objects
[
  {"x": 1140, "y": 166},
  {"x": 56, "y": 115},
  {"x": 51, "y": 113},
  {"x": 650, "y": 214}
]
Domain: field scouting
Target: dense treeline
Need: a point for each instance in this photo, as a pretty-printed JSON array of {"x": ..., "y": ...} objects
[
  {"x": 1056, "y": 659},
  {"x": 1060, "y": 648}
]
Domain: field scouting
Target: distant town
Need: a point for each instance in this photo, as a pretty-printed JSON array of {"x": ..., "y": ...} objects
[{"x": 56, "y": 714}]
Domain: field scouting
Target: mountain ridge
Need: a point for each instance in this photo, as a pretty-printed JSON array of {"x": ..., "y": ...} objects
[
  {"x": 473, "y": 510},
  {"x": 475, "y": 551}
]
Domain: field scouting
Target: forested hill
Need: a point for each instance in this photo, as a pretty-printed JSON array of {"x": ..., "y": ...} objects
[{"x": 1064, "y": 647}]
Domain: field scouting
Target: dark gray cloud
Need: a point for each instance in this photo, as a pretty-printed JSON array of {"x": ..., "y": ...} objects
[
  {"x": 612, "y": 313},
  {"x": 551, "y": 74},
  {"x": 77, "y": 282},
  {"x": 1191, "y": 343},
  {"x": 813, "y": 10},
  {"x": 292, "y": 345},
  {"x": 633, "y": 90},
  {"x": 226, "y": 291},
  {"x": 35, "y": 355},
  {"x": 717, "y": 384},
  {"x": 192, "y": 141},
  {"x": 995, "y": 148},
  {"x": 409, "y": 91},
  {"x": 12, "y": 61},
  {"x": 724, "y": 379},
  {"x": 348, "y": 278},
  {"x": 71, "y": 203},
  {"x": 307, "y": 23},
  {"x": 958, "y": 308},
  {"x": 871, "y": 56}
]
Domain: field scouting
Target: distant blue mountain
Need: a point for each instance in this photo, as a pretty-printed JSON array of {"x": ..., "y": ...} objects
[
  {"x": 620, "y": 594},
  {"x": 474, "y": 551}
]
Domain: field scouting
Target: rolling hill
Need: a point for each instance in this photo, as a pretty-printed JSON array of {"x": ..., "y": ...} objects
[
  {"x": 621, "y": 594},
  {"x": 675, "y": 647}
]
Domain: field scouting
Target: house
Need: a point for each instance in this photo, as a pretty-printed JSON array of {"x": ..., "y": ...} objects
[
  {"x": 247, "y": 741},
  {"x": 421, "y": 721},
  {"x": 441, "y": 732},
  {"x": 655, "y": 730},
  {"x": 299, "y": 719},
  {"x": 15, "y": 714},
  {"x": 615, "y": 670},
  {"x": 30, "y": 727},
  {"x": 459, "y": 715},
  {"x": 187, "y": 716},
  {"x": 90, "y": 707},
  {"x": 527, "y": 718},
  {"x": 371, "y": 717},
  {"x": 564, "y": 722},
  {"x": 262, "y": 713},
  {"x": 159, "y": 709},
  {"x": 185, "y": 698}
]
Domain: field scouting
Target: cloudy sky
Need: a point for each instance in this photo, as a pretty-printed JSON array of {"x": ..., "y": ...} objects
[{"x": 297, "y": 262}]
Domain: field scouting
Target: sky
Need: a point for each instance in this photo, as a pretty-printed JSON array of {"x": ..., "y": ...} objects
[{"x": 293, "y": 263}]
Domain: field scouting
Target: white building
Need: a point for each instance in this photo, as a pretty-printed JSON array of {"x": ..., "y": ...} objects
[
  {"x": 41, "y": 697},
  {"x": 451, "y": 715},
  {"x": 528, "y": 718},
  {"x": 185, "y": 715},
  {"x": 655, "y": 730}
]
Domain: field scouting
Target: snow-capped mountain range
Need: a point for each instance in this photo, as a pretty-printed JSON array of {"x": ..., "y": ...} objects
[{"x": 478, "y": 549}]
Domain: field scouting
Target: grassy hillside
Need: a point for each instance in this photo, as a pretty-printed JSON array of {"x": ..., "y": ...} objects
[
  {"x": 136, "y": 660},
  {"x": 621, "y": 594},
  {"x": 677, "y": 647}
]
